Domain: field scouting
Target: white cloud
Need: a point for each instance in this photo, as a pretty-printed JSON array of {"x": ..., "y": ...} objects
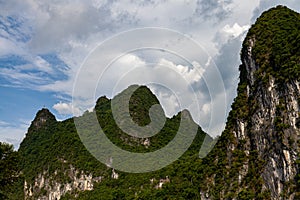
[
  {"x": 235, "y": 30},
  {"x": 171, "y": 82},
  {"x": 206, "y": 108},
  {"x": 66, "y": 109},
  {"x": 130, "y": 60},
  {"x": 71, "y": 29},
  {"x": 20, "y": 78},
  {"x": 192, "y": 75},
  {"x": 7, "y": 47},
  {"x": 168, "y": 100},
  {"x": 58, "y": 28},
  {"x": 228, "y": 33}
]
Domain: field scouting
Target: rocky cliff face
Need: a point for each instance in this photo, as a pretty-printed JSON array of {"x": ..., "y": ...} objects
[
  {"x": 272, "y": 128},
  {"x": 42, "y": 118},
  {"x": 261, "y": 139},
  {"x": 52, "y": 187}
]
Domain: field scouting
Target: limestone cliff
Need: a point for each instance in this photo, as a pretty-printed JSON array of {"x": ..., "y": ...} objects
[
  {"x": 261, "y": 140},
  {"x": 256, "y": 157},
  {"x": 52, "y": 187}
]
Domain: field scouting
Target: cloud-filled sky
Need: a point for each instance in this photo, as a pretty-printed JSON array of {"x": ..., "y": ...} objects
[{"x": 46, "y": 47}]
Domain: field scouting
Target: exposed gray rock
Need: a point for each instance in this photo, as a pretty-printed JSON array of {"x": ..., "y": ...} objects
[
  {"x": 46, "y": 187},
  {"x": 271, "y": 129}
]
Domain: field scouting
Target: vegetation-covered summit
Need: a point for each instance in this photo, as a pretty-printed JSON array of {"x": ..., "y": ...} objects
[
  {"x": 51, "y": 147},
  {"x": 276, "y": 39},
  {"x": 251, "y": 160}
]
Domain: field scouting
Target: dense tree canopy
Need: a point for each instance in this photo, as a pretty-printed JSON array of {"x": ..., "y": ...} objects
[{"x": 9, "y": 169}]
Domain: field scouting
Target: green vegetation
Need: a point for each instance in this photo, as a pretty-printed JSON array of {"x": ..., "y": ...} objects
[
  {"x": 276, "y": 50},
  {"x": 9, "y": 170},
  {"x": 139, "y": 105},
  {"x": 276, "y": 36},
  {"x": 53, "y": 146}
]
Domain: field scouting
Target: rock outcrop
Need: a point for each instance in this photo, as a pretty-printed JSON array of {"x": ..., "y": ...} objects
[
  {"x": 261, "y": 139},
  {"x": 271, "y": 127},
  {"x": 51, "y": 187},
  {"x": 42, "y": 118}
]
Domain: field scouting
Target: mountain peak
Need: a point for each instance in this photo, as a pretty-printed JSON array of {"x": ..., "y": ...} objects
[
  {"x": 43, "y": 117},
  {"x": 274, "y": 42},
  {"x": 140, "y": 99},
  {"x": 258, "y": 146}
]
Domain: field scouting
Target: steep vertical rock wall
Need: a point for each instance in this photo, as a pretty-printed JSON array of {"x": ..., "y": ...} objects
[{"x": 256, "y": 156}]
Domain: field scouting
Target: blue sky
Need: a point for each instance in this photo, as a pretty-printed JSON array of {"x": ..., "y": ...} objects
[{"x": 44, "y": 45}]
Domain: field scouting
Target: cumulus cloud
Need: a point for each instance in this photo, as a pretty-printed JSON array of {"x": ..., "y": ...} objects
[
  {"x": 228, "y": 33},
  {"x": 73, "y": 34},
  {"x": 173, "y": 82},
  {"x": 235, "y": 30},
  {"x": 191, "y": 75},
  {"x": 132, "y": 69},
  {"x": 72, "y": 29},
  {"x": 66, "y": 109},
  {"x": 167, "y": 99}
]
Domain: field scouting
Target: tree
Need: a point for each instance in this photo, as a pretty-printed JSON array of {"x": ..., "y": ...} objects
[{"x": 9, "y": 169}]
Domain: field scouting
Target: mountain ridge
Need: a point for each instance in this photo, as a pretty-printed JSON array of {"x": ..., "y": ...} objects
[
  {"x": 69, "y": 158},
  {"x": 256, "y": 157}
]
